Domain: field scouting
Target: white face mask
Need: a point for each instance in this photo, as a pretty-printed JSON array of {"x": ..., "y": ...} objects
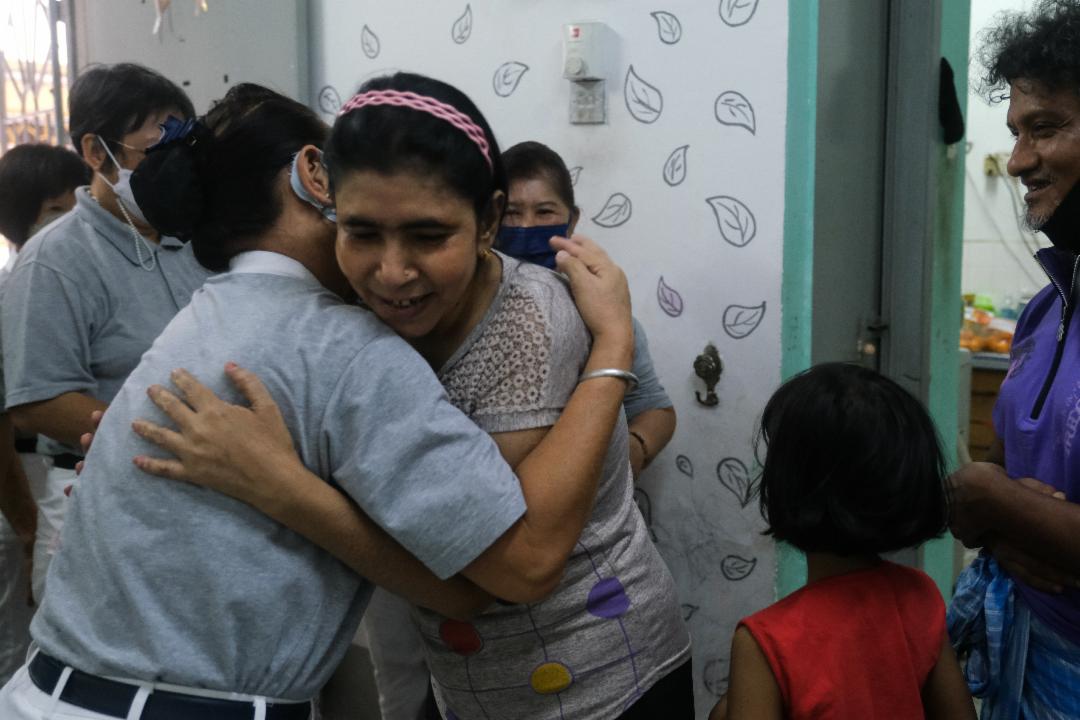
[
  {"x": 130, "y": 210},
  {"x": 122, "y": 187}
]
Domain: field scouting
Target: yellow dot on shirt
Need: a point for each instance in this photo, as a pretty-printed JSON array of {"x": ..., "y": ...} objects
[{"x": 550, "y": 678}]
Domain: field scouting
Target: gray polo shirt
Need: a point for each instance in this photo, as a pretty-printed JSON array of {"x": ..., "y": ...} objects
[
  {"x": 79, "y": 310},
  {"x": 649, "y": 394},
  {"x": 164, "y": 581}
]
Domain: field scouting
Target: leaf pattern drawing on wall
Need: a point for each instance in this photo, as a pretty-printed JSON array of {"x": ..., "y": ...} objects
[
  {"x": 575, "y": 173},
  {"x": 668, "y": 26},
  {"x": 741, "y": 320},
  {"x": 735, "y": 476},
  {"x": 643, "y": 100},
  {"x": 462, "y": 28},
  {"x": 737, "y": 568},
  {"x": 507, "y": 77},
  {"x": 616, "y": 211},
  {"x": 369, "y": 42},
  {"x": 684, "y": 466},
  {"x": 670, "y": 300},
  {"x": 675, "y": 166},
  {"x": 329, "y": 100},
  {"x": 732, "y": 108},
  {"x": 715, "y": 676},
  {"x": 737, "y": 12},
  {"x": 737, "y": 223}
]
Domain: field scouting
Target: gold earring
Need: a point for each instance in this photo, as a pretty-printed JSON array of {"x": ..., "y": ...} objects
[{"x": 485, "y": 254}]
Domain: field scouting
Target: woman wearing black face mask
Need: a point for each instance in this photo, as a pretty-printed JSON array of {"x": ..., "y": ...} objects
[{"x": 89, "y": 294}]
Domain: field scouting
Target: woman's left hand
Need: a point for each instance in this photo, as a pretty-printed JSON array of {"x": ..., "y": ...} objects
[{"x": 229, "y": 448}]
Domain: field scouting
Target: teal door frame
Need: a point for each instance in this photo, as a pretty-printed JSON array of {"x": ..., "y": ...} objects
[{"x": 928, "y": 186}]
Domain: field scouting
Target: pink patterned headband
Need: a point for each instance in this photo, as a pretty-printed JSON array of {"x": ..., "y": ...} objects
[{"x": 423, "y": 103}]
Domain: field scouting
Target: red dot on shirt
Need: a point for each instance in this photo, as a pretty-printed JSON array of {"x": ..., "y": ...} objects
[{"x": 461, "y": 637}]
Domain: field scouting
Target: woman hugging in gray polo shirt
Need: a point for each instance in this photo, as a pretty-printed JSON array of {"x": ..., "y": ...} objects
[
  {"x": 91, "y": 291},
  {"x": 419, "y": 190},
  {"x": 167, "y": 600}
]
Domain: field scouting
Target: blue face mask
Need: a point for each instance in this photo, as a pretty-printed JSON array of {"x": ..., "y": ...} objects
[
  {"x": 327, "y": 211},
  {"x": 531, "y": 244}
]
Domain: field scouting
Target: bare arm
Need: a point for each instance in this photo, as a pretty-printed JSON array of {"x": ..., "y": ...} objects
[
  {"x": 987, "y": 504},
  {"x": 752, "y": 690},
  {"x": 945, "y": 694},
  {"x": 559, "y": 476},
  {"x": 16, "y": 502},
  {"x": 650, "y": 432},
  {"x": 64, "y": 418},
  {"x": 300, "y": 499}
]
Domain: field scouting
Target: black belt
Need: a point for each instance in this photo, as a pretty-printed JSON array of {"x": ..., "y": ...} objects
[
  {"x": 26, "y": 445},
  {"x": 66, "y": 461},
  {"x": 112, "y": 698}
]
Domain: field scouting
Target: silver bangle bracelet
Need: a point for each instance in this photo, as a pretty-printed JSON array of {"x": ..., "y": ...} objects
[{"x": 625, "y": 375}]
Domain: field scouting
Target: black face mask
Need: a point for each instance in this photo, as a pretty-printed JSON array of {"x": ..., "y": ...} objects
[{"x": 1063, "y": 227}]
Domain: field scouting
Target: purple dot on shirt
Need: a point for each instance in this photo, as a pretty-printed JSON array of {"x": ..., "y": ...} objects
[
  {"x": 450, "y": 715},
  {"x": 608, "y": 599}
]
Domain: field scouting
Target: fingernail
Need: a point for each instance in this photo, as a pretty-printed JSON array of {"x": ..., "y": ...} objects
[
  {"x": 151, "y": 390},
  {"x": 231, "y": 365}
]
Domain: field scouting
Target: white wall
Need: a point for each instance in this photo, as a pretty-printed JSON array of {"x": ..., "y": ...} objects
[
  {"x": 996, "y": 260},
  {"x": 206, "y": 53},
  {"x": 705, "y": 531}
]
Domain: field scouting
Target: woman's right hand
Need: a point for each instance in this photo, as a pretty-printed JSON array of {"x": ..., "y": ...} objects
[
  {"x": 239, "y": 451},
  {"x": 599, "y": 287}
]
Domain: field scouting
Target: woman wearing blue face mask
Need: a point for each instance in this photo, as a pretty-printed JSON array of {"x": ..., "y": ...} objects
[
  {"x": 540, "y": 204},
  {"x": 90, "y": 292}
]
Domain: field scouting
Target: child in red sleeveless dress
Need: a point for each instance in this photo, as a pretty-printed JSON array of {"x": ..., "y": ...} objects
[{"x": 853, "y": 469}]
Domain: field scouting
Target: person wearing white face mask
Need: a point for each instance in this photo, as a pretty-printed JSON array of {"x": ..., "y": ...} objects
[{"x": 90, "y": 292}]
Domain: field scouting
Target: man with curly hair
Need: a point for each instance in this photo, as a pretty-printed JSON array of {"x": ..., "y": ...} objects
[{"x": 1017, "y": 608}]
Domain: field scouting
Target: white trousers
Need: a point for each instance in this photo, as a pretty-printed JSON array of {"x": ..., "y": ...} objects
[
  {"x": 397, "y": 657},
  {"x": 21, "y": 699},
  {"x": 15, "y": 611},
  {"x": 48, "y": 490}
]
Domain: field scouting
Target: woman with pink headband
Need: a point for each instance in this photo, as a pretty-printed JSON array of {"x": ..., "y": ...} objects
[
  {"x": 177, "y": 602},
  {"x": 419, "y": 190}
]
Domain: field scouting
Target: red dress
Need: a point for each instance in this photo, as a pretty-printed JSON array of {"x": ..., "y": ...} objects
[{"x": 858, "y": 645}]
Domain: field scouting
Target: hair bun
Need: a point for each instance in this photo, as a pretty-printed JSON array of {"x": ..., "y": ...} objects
[{"x": 168, "y": 188}]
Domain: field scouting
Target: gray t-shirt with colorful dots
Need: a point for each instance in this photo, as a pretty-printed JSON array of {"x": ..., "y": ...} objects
[{"x": 613, "y": 627}]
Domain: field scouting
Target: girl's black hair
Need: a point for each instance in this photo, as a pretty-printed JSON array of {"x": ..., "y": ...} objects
[
  {"x": 852, "y": 466},
  {"x": 111, "y": 101},
  {"x": 387, "y": 139},
  {"x": 218, "y": 186},
  {"x": 528, "y": 160},
  {"x": 1042, "y": 45},
  {"x": 29, "y": 175}
]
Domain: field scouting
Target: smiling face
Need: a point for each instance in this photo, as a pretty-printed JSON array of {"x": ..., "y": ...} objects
[
  {"x": 410, "y": 247},
  {"x": 534, "y": 201},
  {"x": 1046, "y": 156}
]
